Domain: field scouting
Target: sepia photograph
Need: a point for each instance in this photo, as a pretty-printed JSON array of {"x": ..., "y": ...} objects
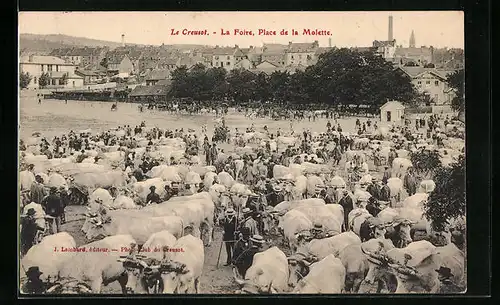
[{"x": 241, "y": 153}]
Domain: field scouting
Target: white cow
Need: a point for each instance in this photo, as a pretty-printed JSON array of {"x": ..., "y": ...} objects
[
  {"x": 325, "y": 276},
  {"x": 43, "y": 255},
  {"x": 269, "y": 272},
  {"x": 293, "y": 223},
  {"x": 186, "y": 266},
  {"x": 98, "y": 265}
]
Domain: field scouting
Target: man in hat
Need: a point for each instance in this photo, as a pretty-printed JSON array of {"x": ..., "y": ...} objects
[
  {"x": 249, "y": 222},
  {"x": 276, "y": 196},
  {"x": 348, "y": 205},
  {"x": 152, "y": 196},
  {"x": 229, "y": 225},
  {"x": 37, "y": 190},
  {"x": 256, "y": 244},
  {"x": 373, "y": 189},
  {"x": 65, "y": 201},
  {"x": 392, "y": 155},
  {"x": 29, "y": 229},
  {"x": 385, "y": 192},
  {"x": 34, "y": 285},
  {"x": 54, "y": 207},
  {"x": 446, "y": 278},
  {"x": 387, "y": 174},
  {"x": 409, "y": 182},
  {"x": 213, "y": 153},
  {"x": 242, "y": 244},
  {"x": 317, "y": 231}
]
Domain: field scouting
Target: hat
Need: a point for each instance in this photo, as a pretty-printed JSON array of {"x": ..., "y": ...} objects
[
  {"x": 257, "y": 239},
  {"x": 53, "y": 189},
  {"x": 444, "y": 271},
  {"x": 253, "y": 195},
  {"x": 34, "y": 270},
  {"x": 374, "y": 179},
  {"x": 277, "y": 188},
  {"x": 318, "y": 226},
  {"x": 31, "y": 212},
  {"x": 230, "y": 211},
  {"x": 246, "y": 211}
]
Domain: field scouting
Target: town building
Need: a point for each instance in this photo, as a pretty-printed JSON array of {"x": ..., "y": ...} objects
[
  {"x": 392, "y": 112},
  {"x": 385, "y": 49},
  {"x": 119, "y": 65},
  {"x": 432, "y": 82},
  {"x": 60, "y": 73},
  {"x": 226, "y": 57},
  {"x": 157, "y": 75},
  {"x": 301, "y": 53},
  {"x": 81, "y": 57}
]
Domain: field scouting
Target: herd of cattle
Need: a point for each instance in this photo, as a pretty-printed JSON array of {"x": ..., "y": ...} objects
[{"x": 396, "y": 257}]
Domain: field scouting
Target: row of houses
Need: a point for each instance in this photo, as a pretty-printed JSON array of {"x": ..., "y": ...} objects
[{"x": 156, "y": 69}]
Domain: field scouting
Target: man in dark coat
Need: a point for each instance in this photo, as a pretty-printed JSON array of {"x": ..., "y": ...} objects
[
  {"x": 387, "y": 174},
  {"x": 385, "y": 192},
  {"x": 373, "y": 189},
  {"x": 229, "y": 226},
  {"x": 34, "y": 285},
  {"x": 242, "y": 245},
  {"x": 409, "y": 183},
  {"x": 53, "y": 206},
  {"x": 348, "y": 205},
  {"x": 37, "y": 190},
  {"x": 276, "y": 196},
  {"x": 447, "y": 286},
  {"x": 153, "y": 197},
  {"x": 28, "y": 230},
  {"x": 65, "y": 201},
  {"x": 256, "y": 244}
]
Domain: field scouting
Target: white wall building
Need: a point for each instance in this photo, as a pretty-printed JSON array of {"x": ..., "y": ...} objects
[
  {"x": 392, "y": 112},
  {"x": 54, "y": 66}
]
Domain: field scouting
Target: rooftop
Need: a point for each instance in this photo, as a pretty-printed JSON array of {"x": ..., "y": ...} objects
[
  {"x": 43, "y": 60},
  {"x": 393, "y": 104}
]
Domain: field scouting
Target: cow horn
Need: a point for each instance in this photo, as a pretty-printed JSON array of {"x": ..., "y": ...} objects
[{"x": 269, "y": 289}]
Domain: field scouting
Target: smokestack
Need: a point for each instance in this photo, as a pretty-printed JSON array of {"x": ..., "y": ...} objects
[
  {"x": 330, "y": 42},
  {"x": 123, "y": 40},
  {"x": 390, "y": 37}
]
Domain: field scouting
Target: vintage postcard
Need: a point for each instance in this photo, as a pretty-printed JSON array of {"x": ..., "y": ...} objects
[{"x": 241, "y": 153}]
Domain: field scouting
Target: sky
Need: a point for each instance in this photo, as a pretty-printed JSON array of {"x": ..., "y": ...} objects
[{"x": 347, "y": 29}]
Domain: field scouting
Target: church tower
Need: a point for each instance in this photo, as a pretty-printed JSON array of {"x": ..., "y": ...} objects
[{"x": 412, "y": 40}]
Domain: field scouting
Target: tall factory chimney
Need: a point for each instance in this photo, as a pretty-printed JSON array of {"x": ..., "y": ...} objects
[
  {"x": 390, "y": 37},
  {"x": 123, "y": 40},
  {"x": 330, "y": 42}
]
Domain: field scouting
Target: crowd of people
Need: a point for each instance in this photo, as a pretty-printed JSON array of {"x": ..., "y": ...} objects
[{"x": 244, "y": 231}]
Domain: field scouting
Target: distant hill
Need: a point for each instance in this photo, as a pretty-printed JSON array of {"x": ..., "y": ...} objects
[{"x": 46, "y": 43}]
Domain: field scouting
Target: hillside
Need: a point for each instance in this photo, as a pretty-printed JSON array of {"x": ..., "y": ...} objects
[{"x": 46, "y": 43}]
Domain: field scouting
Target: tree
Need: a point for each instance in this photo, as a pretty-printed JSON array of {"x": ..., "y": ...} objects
[
  {"x": 425, "y": 162},
  {"x": 180, "y": 83},
  {"x": 44, "y": 80},
  {"x": 347, "y": 77},
  {"x": 456, "y": 81},
  {"x": 447, "y": 201},
  {"x": 24, "y": 80}
]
